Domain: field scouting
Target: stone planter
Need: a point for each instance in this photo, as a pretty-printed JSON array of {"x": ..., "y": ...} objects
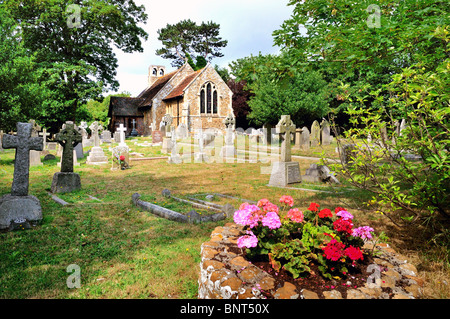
[{"x": 227, "y": 275}]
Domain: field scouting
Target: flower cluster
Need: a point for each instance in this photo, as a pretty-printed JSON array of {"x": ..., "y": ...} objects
[
  {"x": 284, "y": 232},
  {"x": 364, "y": 232},
  {"x": 247, "y": 241},
  {"x": 295, "y": 215}
]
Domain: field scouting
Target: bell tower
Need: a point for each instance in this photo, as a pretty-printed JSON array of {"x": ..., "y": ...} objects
[{"x": 154, "y": 73}]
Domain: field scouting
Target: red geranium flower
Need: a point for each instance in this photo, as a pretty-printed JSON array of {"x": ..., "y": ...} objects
[
  {"x": 122, "y": 157},
  {"x": 334, "y": 250},
  {"x": 314, "y": 207},
  {"x": 343, "y": 225},
  {"x": 354, "y": 253},
  {"x": 325, "y": 213},
  {"x": 338, "y": 209}
]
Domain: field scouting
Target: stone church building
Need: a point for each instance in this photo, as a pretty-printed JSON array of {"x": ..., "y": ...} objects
[{"x": 198, "y": 99}]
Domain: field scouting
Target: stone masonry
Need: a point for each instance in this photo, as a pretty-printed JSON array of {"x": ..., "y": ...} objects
[{"x": 226, "y": 275}]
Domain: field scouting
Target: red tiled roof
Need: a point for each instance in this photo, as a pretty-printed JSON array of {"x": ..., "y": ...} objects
[
  {"x": 149, "y": 93},
  {"x": 179, "y": 90}
]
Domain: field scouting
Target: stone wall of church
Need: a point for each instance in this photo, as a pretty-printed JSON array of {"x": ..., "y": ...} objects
[
  {"x": 159, "y": 107},
  {"x": 192, "y": 100}
]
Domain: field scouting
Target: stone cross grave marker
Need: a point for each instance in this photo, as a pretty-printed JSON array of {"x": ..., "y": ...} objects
[
  {"x": 66, "y": 180},
  {"x": 19, "y": 210},
  {"x": 94, "y": 133},
  {"x": 228, "y": 150},
  {"x": 23, "y": 143},
  {"x": 44, "y": 135},
  {"x": 68, "y": 138},
  {"x": 122, "y": 131},
  {"x": 286, "y": 171},
  {"x": 133, "y": 130},
  {"x": 285, "y": 127}
]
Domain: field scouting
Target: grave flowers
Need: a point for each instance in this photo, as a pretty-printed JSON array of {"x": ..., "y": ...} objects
[
  {"x": 302, "y": 241},
  {"x": 122, "y": 162}
]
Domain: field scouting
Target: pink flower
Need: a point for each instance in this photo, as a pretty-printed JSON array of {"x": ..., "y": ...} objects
[
  {"x": 262, "y": 202},
  {"x": 249, "y": 216},
  {"x": 247, "y": 241},
  {"x": 271, "y": 220},
  {"x": 243, "y": 205},
  {"x": 269, "y": 207},
  {"x": 363, "y": 232},
  {"x": 288, "y": 200},
  {"x": 295, "y": 215},
  {"x": 345, "y": 215}
]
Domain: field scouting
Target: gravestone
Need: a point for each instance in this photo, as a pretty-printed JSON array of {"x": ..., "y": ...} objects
[
  {"x": 122, "y": 131},
  {"x": 325, "y": 130},
  {"x": 402, "y": 127},
  {"x": 156, "y": 136},
  {"x": 117, "y": 152},
  {"x": 304, "y": 139},
  {"x": 319, "y": 173},
  {"x": 96, "y": 156},
  {"x": 383, "y": 133},
  {"x": 67, "y": 181},
  {"x": 52, "y": 146},
  {"x": 315, "y": 134},
  {"x": 133, "y": 130},
  {"x": 228, "y": 150},
  {"x": 346, "y": 154},
  {"x": 106, "y": 136},
  {"x": 19, "y": 209},
  {"x": 286, "y": 171},
  {"x": 44, "y": 135},
  {"x": 200, "y": 156},
  {"x": 182, "y": 131},
  {"x": 35, "y": 156},
  {"x": 167, "y": 121},
  {"x": 298, "y": 134},
  {"x": 1, "y": 138},
  {"x": 174, "y": 155}
]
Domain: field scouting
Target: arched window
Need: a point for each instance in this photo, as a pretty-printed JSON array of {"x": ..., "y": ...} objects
[
  {"x": 208, "y": 99},
  {"x": 155, "y": 72},
  {"x": 161, "y": 72}
]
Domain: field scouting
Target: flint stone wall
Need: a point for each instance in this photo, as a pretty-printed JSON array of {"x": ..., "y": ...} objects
[{"x": 226, "y": 275}]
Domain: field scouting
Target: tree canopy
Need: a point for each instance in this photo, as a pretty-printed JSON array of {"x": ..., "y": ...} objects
[
  {"x": 72, "y": 42},
  {"x": 187, "y": 39}
]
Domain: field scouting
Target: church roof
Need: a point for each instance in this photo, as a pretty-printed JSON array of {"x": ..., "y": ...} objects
[
  {"x": 179, "y": 89},
  {"x": 125, "y": 106},
  {"x": 149, "y": 93}
]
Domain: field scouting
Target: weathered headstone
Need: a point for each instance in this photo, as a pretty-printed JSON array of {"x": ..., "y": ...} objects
[
  {"x": 96, "y": 156},
  {"x": 319, "y": 173},
  {"x": 19, "y": 209},
  {"x": 174, "y": 155},
  {"x": 315, "y": 134},
  {"x": 286, "y": 171},
  {"x": 325, "y": 130},
  {"x": 304, "y": 139},
  {"x": 156, "y": 136},
  {"x": 402, "y": 127},
  {"x": 182, "y": 131},
  {"x": 167, "y": 121},
  {"x": 44, "y": 135},
  {"x": 1, "y": 138},
  {"x": 347, "y": 153},
  {"x": 66, "y": 180},
  {"x": 298, "y": 134},
  {"x": 106, "y": 136},
  {"x": 228, "y": 150},
  {"x": 200, "y": 156},
  {"x": 35, "y": 156},
  {"x": 117, "y": 152}
]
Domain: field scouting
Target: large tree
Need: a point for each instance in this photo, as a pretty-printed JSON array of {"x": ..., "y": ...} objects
[
  {"x": 20, "y": 91},
  {"x": 187, "y": 39},
  {"x": 73, "y": 42}
]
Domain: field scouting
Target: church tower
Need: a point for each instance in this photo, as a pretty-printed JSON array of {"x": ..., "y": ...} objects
[{"x": 154, "y": 73}]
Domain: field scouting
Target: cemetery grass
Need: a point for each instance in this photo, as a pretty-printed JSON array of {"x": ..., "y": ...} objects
[{"x": 124, "y": 252}]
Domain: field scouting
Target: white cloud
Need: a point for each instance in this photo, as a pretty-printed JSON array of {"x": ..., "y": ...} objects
[{"x": 246, "y": 24}]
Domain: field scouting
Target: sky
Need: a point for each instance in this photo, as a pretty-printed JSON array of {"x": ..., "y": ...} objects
[{"x": 246, "y": 24}]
